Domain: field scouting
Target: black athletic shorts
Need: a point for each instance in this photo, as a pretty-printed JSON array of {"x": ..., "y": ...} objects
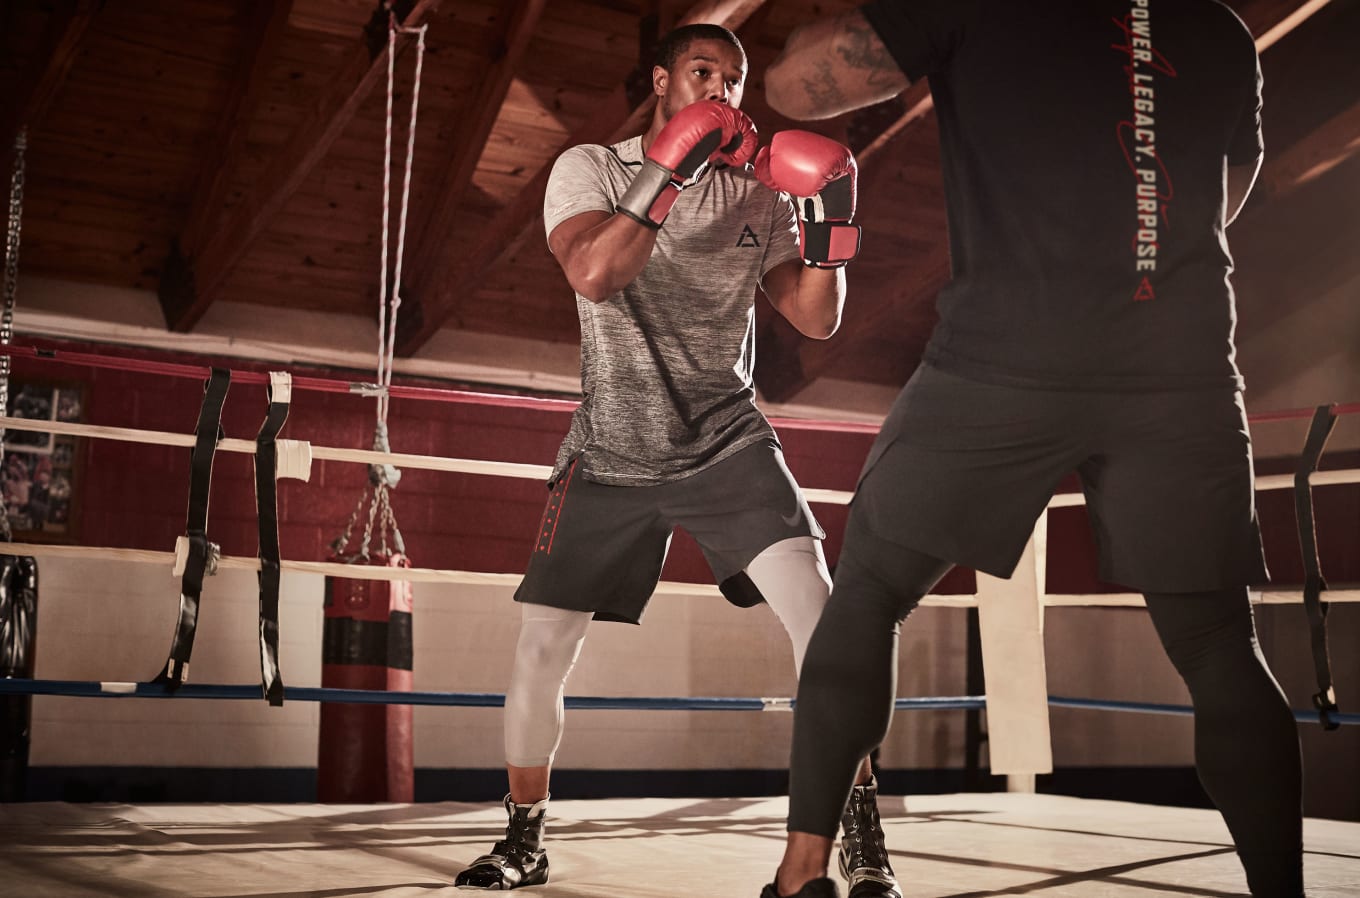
[
  {"x": 600, "y": 548},
  {"x": 962, "y": 469}
]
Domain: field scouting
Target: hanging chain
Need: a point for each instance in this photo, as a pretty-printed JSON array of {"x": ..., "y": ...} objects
[
  {"x": 16, "y": 209},
  {"x": 341, "y": 542}
]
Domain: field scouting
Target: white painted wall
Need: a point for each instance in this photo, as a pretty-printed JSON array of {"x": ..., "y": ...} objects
[{"x": 112, "y": 621}]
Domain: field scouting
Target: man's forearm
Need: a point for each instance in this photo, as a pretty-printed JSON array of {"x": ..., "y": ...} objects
[{"x": 832, "y": 66}]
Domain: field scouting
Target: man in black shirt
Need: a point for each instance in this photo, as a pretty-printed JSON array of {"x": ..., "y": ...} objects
[{"x": 1094, "y": 152}]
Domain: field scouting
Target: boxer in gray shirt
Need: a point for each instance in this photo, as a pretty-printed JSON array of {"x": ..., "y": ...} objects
[{"x": 665, "y": 238}]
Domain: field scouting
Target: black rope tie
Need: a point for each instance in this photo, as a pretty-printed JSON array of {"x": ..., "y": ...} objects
[
  {"x": 267, "y": 513},
  {"x": 203, "y": 555},
  {"x": 1314, "y": 584}
]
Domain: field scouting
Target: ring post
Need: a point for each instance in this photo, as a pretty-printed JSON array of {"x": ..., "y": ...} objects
[{"x": 1011, "y": 618}]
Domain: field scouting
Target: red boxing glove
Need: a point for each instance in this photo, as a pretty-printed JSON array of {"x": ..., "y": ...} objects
[
  {"x": 819, "y": 174},
  {"x": 702, "y": 132}
]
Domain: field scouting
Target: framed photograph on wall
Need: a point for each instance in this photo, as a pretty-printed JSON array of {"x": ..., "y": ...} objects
[{"x": 40, "y": 476}]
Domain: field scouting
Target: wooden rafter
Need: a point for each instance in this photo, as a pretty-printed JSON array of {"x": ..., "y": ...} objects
[
  {"x": 266, "y": 23},
  {"x": 451, "y": 277},
  {"x": 35, "y": 93},
  {"x": 787, "y": 366},
  {"x": 1333, "y": 143},
  {"x": 470, "y": 128},
  {"x": 208, "y": 271},
  {"x": 1270, "y": 20}
]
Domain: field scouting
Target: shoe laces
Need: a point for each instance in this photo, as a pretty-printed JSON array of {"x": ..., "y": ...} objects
[
  {"x": 864, "y": 833},
  {"x": 520, "y": 833}
]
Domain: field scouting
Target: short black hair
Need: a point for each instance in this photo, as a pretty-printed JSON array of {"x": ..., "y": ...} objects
[{"x": 678, "y": 41}]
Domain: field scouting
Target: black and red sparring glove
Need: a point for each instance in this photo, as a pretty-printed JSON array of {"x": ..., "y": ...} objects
[
  {"x": 702, "y": 132},
  {"x": 819, "y": 174}
]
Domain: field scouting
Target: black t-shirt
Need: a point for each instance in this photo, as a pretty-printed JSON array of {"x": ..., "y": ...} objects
[{"x": 1084, "y": 144}]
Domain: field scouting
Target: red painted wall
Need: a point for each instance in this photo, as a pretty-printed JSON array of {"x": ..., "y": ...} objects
[{"x": 134, "y": 496}]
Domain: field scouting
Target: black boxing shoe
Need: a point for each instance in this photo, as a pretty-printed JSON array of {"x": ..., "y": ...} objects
[
  {"x": 863, "y": 855},
  {"x": 515, "y": 861},
  {"x": 816, "y": 888}
]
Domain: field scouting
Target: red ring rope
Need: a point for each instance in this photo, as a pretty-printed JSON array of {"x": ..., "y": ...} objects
[{"x": 330, "y": 385}]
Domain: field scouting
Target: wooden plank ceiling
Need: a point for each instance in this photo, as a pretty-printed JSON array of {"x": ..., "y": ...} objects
[{"x": 213, "y": 150}]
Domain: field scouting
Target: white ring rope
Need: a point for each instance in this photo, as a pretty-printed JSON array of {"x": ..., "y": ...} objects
[
  {"x": 323, "y": 453},
  {"x": 358, "y": 571},
  {"x": 495, "y": 468},
  {"x": 479, "y": 578},
  {"x": 295, "y": 458}
]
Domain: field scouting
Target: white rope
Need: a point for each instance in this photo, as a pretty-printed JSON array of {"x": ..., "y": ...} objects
[
  {"x": 478, "y": 578},
  {"x": 386, "y": 215},
  {"x": 387, "y": 325},
  {"x": 503, "y": 469},
  {"x": 405, "y": 203},
  {"x": 383, "y": 477},
  {"x": 324, "y": 453},
  {"x": 355, "y": 571}
]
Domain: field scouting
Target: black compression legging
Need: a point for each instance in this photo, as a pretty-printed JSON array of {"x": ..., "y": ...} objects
[{"x": 1246, "y": 743}]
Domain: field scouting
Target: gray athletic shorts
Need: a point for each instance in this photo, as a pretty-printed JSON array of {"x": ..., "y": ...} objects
[
  {"x": 962, "y": 469},
  {"x": 600, "y": 548}
]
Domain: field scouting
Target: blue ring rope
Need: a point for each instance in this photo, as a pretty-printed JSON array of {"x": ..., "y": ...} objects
[
  {"x": 1092, "y": 704},
  {"x": 95, "y": 689}
]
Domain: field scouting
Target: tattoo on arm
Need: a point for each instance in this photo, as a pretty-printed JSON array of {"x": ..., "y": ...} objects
[
  {"x": 834, "y": 65},
  {"x": 822, "y": 89},
  {"x": 859, "y": 46}
]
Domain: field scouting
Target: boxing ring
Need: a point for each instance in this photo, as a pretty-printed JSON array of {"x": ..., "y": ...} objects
[{"x": 977, "y": 843}]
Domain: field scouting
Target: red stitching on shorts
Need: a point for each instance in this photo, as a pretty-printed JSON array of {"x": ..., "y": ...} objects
[{"x": 561, "y": 501}]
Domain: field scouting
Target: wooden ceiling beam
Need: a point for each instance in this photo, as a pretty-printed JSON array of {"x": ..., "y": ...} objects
[
  {"x": 787, "y": 366},
  {"x": 1336, "y": 141},
  {"x": 1271, "y": 20},
  {"x": 266, "y": 22},
  {"x": 470, "y": 127},
  {"x": 366, "y": 65},
  {"x": 454, "y": 276},
  {"x": 36, "y": 92}
]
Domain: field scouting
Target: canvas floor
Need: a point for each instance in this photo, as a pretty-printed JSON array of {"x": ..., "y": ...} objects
[{"x": 959, "y": 846}]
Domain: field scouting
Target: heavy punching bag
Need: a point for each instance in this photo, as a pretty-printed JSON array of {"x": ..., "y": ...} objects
[{"x": 365, "y": 751}]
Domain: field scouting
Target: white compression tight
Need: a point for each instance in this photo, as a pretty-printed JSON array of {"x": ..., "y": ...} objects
[{"x": 791, "y": 575}]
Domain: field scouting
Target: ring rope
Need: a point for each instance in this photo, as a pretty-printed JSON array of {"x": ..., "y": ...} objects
[
  {"x": 468, "y": 397},
  {"x": 480, "y": 578},
  {"x": 502, "y": 469},
  {"x": 230, "y": 692}
]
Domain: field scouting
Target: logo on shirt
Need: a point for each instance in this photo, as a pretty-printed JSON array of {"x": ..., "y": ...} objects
[
  {"x": 747, "y": 237},
  {"x": 1137, "y": 136}
]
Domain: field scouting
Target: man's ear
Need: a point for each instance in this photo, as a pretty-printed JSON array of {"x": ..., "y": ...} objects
[{"x": 660, "y": 77}]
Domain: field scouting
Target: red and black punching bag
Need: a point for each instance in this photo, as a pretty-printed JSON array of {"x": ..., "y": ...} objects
[
  {"x": 18, "y": 633},
  {"x": 365, "y": 751}
]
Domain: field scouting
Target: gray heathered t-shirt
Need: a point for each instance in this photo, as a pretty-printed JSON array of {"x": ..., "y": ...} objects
[{"x": 666, "y": 364}]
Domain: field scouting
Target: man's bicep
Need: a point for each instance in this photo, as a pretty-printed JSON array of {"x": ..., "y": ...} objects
[
  {"x": 832, "y": 66},
  {"x": 564, "y": 239},
  {"x": 780, "y": 283}
]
